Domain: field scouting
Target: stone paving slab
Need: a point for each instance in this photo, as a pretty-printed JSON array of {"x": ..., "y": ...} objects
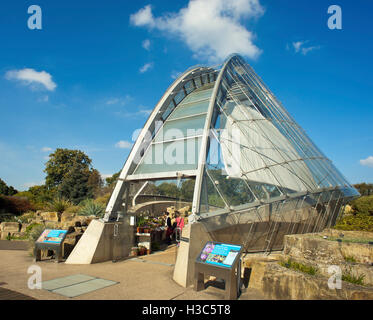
[
  {"x": 65, "y": 281},
  {"x": 84, "y": 287}
]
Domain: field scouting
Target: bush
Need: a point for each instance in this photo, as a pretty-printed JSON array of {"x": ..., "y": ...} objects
[
  {"x": 59, "y": 205},
  {"x": 72, "y": 209},
  {"x": 15, "y": 205},
  {"x": 349, "y": 277},
  {"x": 359, "y": 222},
  {"x": 103, "y": 199},
  {"x": 350, "y": 259},
  {"x": 299, "y": 267},
  {"x": 91, "y": 208},
  {"x": 363, "y": 205},
  {"x": 30, "y": 227}
]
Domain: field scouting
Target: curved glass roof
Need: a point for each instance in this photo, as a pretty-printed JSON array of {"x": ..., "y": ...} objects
[{"x": 225, "y": 128}]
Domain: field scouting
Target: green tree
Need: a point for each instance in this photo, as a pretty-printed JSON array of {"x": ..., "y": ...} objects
[
  {"x": 187, "y": 189},
  {"x": 168, "y": 189},
  {"x": 74, "y": 186},
  {"x": 363, "y": 205},
  {"x": 365, "y": 189},
  {"x": 6, "y": 190},
  {"x": 95, "y": 183},
  {"x": 38, "y": 195},
  {"x": 110, "y": 181},
  {"x": 62, "y": 162}
]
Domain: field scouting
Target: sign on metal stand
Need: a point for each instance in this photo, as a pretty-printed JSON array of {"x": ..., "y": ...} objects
[
  {"x": 221, "y": 260},
  {"x": 50, "y": 239}
]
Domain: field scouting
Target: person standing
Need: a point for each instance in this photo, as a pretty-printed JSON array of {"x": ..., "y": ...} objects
[
  {"x": 179, "y": 221},
  {"x": 168, "y": 225}
]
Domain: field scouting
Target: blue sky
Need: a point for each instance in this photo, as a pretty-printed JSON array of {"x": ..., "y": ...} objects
[{"x": 89, "y": 78}]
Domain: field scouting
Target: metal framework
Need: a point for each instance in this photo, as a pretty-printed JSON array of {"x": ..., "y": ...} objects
[{"x": 257, "y": 174}]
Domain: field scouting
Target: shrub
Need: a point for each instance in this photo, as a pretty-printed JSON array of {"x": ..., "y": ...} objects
[
  {"x": 299, "y": 267},
  {"x": 359, "y": 222},
  {"x": 72, "y": 209},
  {"x": 15, "y": 205},
  {"x": 363, "y": 205},
  {"x": 350, "y": 259},
  {"x": 91, "y": 208},
  {"x": 59, "y": 205},
  {"x": 349, "y": 277},
  {"x": 30, "y": 227},
  {"x": 103, "y": 199}
]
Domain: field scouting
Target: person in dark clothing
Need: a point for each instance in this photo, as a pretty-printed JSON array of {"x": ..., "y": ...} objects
[{"x": 170, "y": 230}]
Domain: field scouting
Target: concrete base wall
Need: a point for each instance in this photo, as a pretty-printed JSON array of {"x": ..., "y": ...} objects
[
  {"x": 99, "y": 243},
  {"x": 188, "y": 251}
]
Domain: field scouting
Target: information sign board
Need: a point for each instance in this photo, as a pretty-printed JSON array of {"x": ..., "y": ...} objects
[{"x": 219, "y": 254}]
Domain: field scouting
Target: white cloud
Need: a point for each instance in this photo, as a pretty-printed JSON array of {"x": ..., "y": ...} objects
[
  {"x": 146, "y": 112},
  {"x": 119, "y": 101},
  {"x": 368, "y": 162},
  {"x": 46, "y": 149},
  {"x": 32, "y": 78},
  {"x": 106, "y": 175},
  {"x": 212, "y": 29},
  {"x": 175, "y": 74},
  {"x": 309, "y": 49},
  {"x": 123, "y": 145},
  {"x": 32, "y": 184},
  {"x": 43, "y": 99},
  {"x": 140, "y": 113},
  {"x": 146, "y": 67},
  {"x": 146, "y": 44},
  {"x": 299, "y": 47}
]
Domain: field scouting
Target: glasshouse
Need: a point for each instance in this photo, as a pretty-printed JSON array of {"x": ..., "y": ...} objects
[{"x": 222, "y": 150}]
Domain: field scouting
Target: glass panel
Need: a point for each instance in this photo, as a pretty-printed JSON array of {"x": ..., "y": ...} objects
[
  {"x": 210, "y": 198},
  {"x": 197, "y": 81},
  {"x": 150, "y": 198},
  {"x": 205, "y": 78},
  {"x": 235, "y": 191},
  {"x": 190, "y": 109},
  {"x": 189, "y": 87},
  {"x": 179, "y": 96},
  {"x": 198, "y": 95},
  {"x": 171, "y": 156},
  {"x": 184, "y": 127}
]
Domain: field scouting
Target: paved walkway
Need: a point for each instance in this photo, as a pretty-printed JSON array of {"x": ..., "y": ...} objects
[{"x": 142, "y": 278}]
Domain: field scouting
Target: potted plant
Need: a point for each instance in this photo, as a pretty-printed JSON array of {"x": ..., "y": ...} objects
[
  {"x": 140, "y": 225},
  {"x": 142, "y": 250},
  {"x": 134, "y": 251}
]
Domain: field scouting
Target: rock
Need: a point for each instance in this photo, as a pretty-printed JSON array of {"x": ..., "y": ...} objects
[
  {"x": 277, "y": 282},
  {"x": 4, "y": 235},
  {"x": 10, "y": 227},
  {"x": 84, "y": 220},
  {"x": 24, "y": 226},
  {"x": 67, "y": 217},
  {"x": 314, "y": 248},
  {"x": 49, "y": 216}
]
